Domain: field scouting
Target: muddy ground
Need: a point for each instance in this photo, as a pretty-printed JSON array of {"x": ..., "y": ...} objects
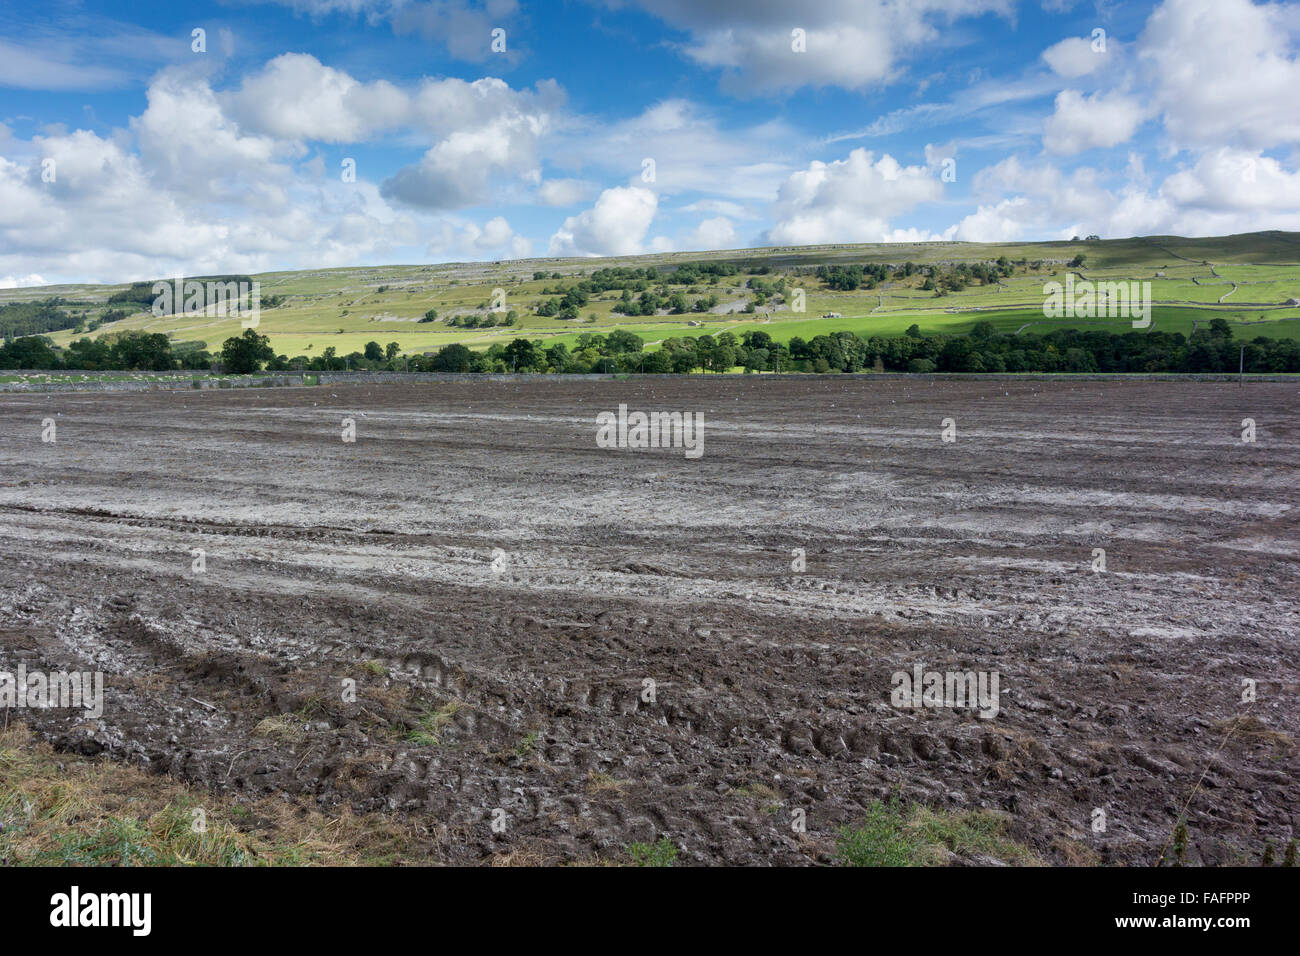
[{"x": 516, "y": 680}]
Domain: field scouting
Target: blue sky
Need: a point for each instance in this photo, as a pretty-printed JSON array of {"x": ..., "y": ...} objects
[{"x": 610, "y": 127}]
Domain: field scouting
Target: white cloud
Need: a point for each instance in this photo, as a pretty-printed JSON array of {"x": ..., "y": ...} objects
[
  {"x": 203, "y": 200},
  {"x": 1223, "y": 72},
  {"x": 615, "y": 226},
  {"x": 1235, "y": 181},
  {"x": 209, "y": 181},
  {"x": 1226, "y": 191},
  {"x": 490, "y": 130},
  {"x": 1083, "y": 122},
  {"x": 494, "y": 239},
  {"x": 849, "y": 200},
  {"x": 914, "y": 234},
  {"x": 481, "y": 130},
  {"x": 191, "y": 144},
  {"x": 1002, "y": 222},
  {"x": 1076, "y": 56},
  {"x": 21, "y": 282},
  {"x": 715, "y": 233},
  {"x": 297, "y": 97}
]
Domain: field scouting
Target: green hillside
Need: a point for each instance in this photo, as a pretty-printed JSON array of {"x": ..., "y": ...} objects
[{"x": 1245, "y": 279}]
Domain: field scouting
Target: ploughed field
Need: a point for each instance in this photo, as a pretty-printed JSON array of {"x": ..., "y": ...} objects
[{"x": 610, "y": 646}]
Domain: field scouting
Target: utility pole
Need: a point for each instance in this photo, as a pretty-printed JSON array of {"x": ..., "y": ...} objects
[{"x": 1241, "y": 374}]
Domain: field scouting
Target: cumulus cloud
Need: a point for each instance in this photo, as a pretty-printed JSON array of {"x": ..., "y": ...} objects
[
  {"x": 185, "y": 189},
  {"x": 1074, "y": 57},
  {"x": 480, "y": 130},
  {"x": 493, "y": 131},
  {"x": 190, "y": 143},
  {"x": 205, "y": 180},
  {"x": 219, "y": 174},
  {"x": 110, "y": 216},
  {"x": 1083, "y": 122},
  {"x": 77, "y": 223},
  {"x": 1235, "y": 181},
  {"x": 1225, "y": 191},
  {"x": 1223, "y": 72},
  {"x": 21, "y": 282},
  {"x": 494, "y": 237},
  {"x": 849, "y": 200},
  {"x": 295, "y": 96},
  {"x": 615, "y": 226},
  {"x": 715, "y": 233}
]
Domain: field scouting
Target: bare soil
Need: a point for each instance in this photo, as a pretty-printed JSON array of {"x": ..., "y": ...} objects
[{"x": 519, "y": 683}]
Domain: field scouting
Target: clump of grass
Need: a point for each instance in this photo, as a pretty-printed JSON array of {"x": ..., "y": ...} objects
[
  {"x": 523, "y": 857},
  {"x": 892, "y": 835},
  {"x": 375, "y": 668},
  {"x": 64, "y": 810},
  {"x": 293, "y": 727},
  {"x": 429, "y": 726},
  {"x": 1251, "y": 730},
  {"x": 527, "y": 745},
  {"x": 1179, "y": 841},
  {"x": 598, "y": 782},
  {"x": 1074, "y": 853},
  {"x": 283, "y": 726},
  {"x": 663, "y": 852},
  {"x": 881, "y": 840},
  {"x": 770, "y": 799},
  {"x": 975, "y": 831}
]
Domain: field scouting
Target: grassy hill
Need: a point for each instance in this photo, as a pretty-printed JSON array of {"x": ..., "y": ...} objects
[{"x": 1245, "y": 279}]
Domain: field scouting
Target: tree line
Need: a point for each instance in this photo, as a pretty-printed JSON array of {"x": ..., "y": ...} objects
[{"x": 982, "y": 349}]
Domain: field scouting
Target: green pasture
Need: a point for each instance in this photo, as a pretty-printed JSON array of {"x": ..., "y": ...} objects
[{"x": 344, "y": 308}]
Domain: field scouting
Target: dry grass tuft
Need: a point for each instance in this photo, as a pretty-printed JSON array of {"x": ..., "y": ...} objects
[{"x": 64, "y": 810}]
